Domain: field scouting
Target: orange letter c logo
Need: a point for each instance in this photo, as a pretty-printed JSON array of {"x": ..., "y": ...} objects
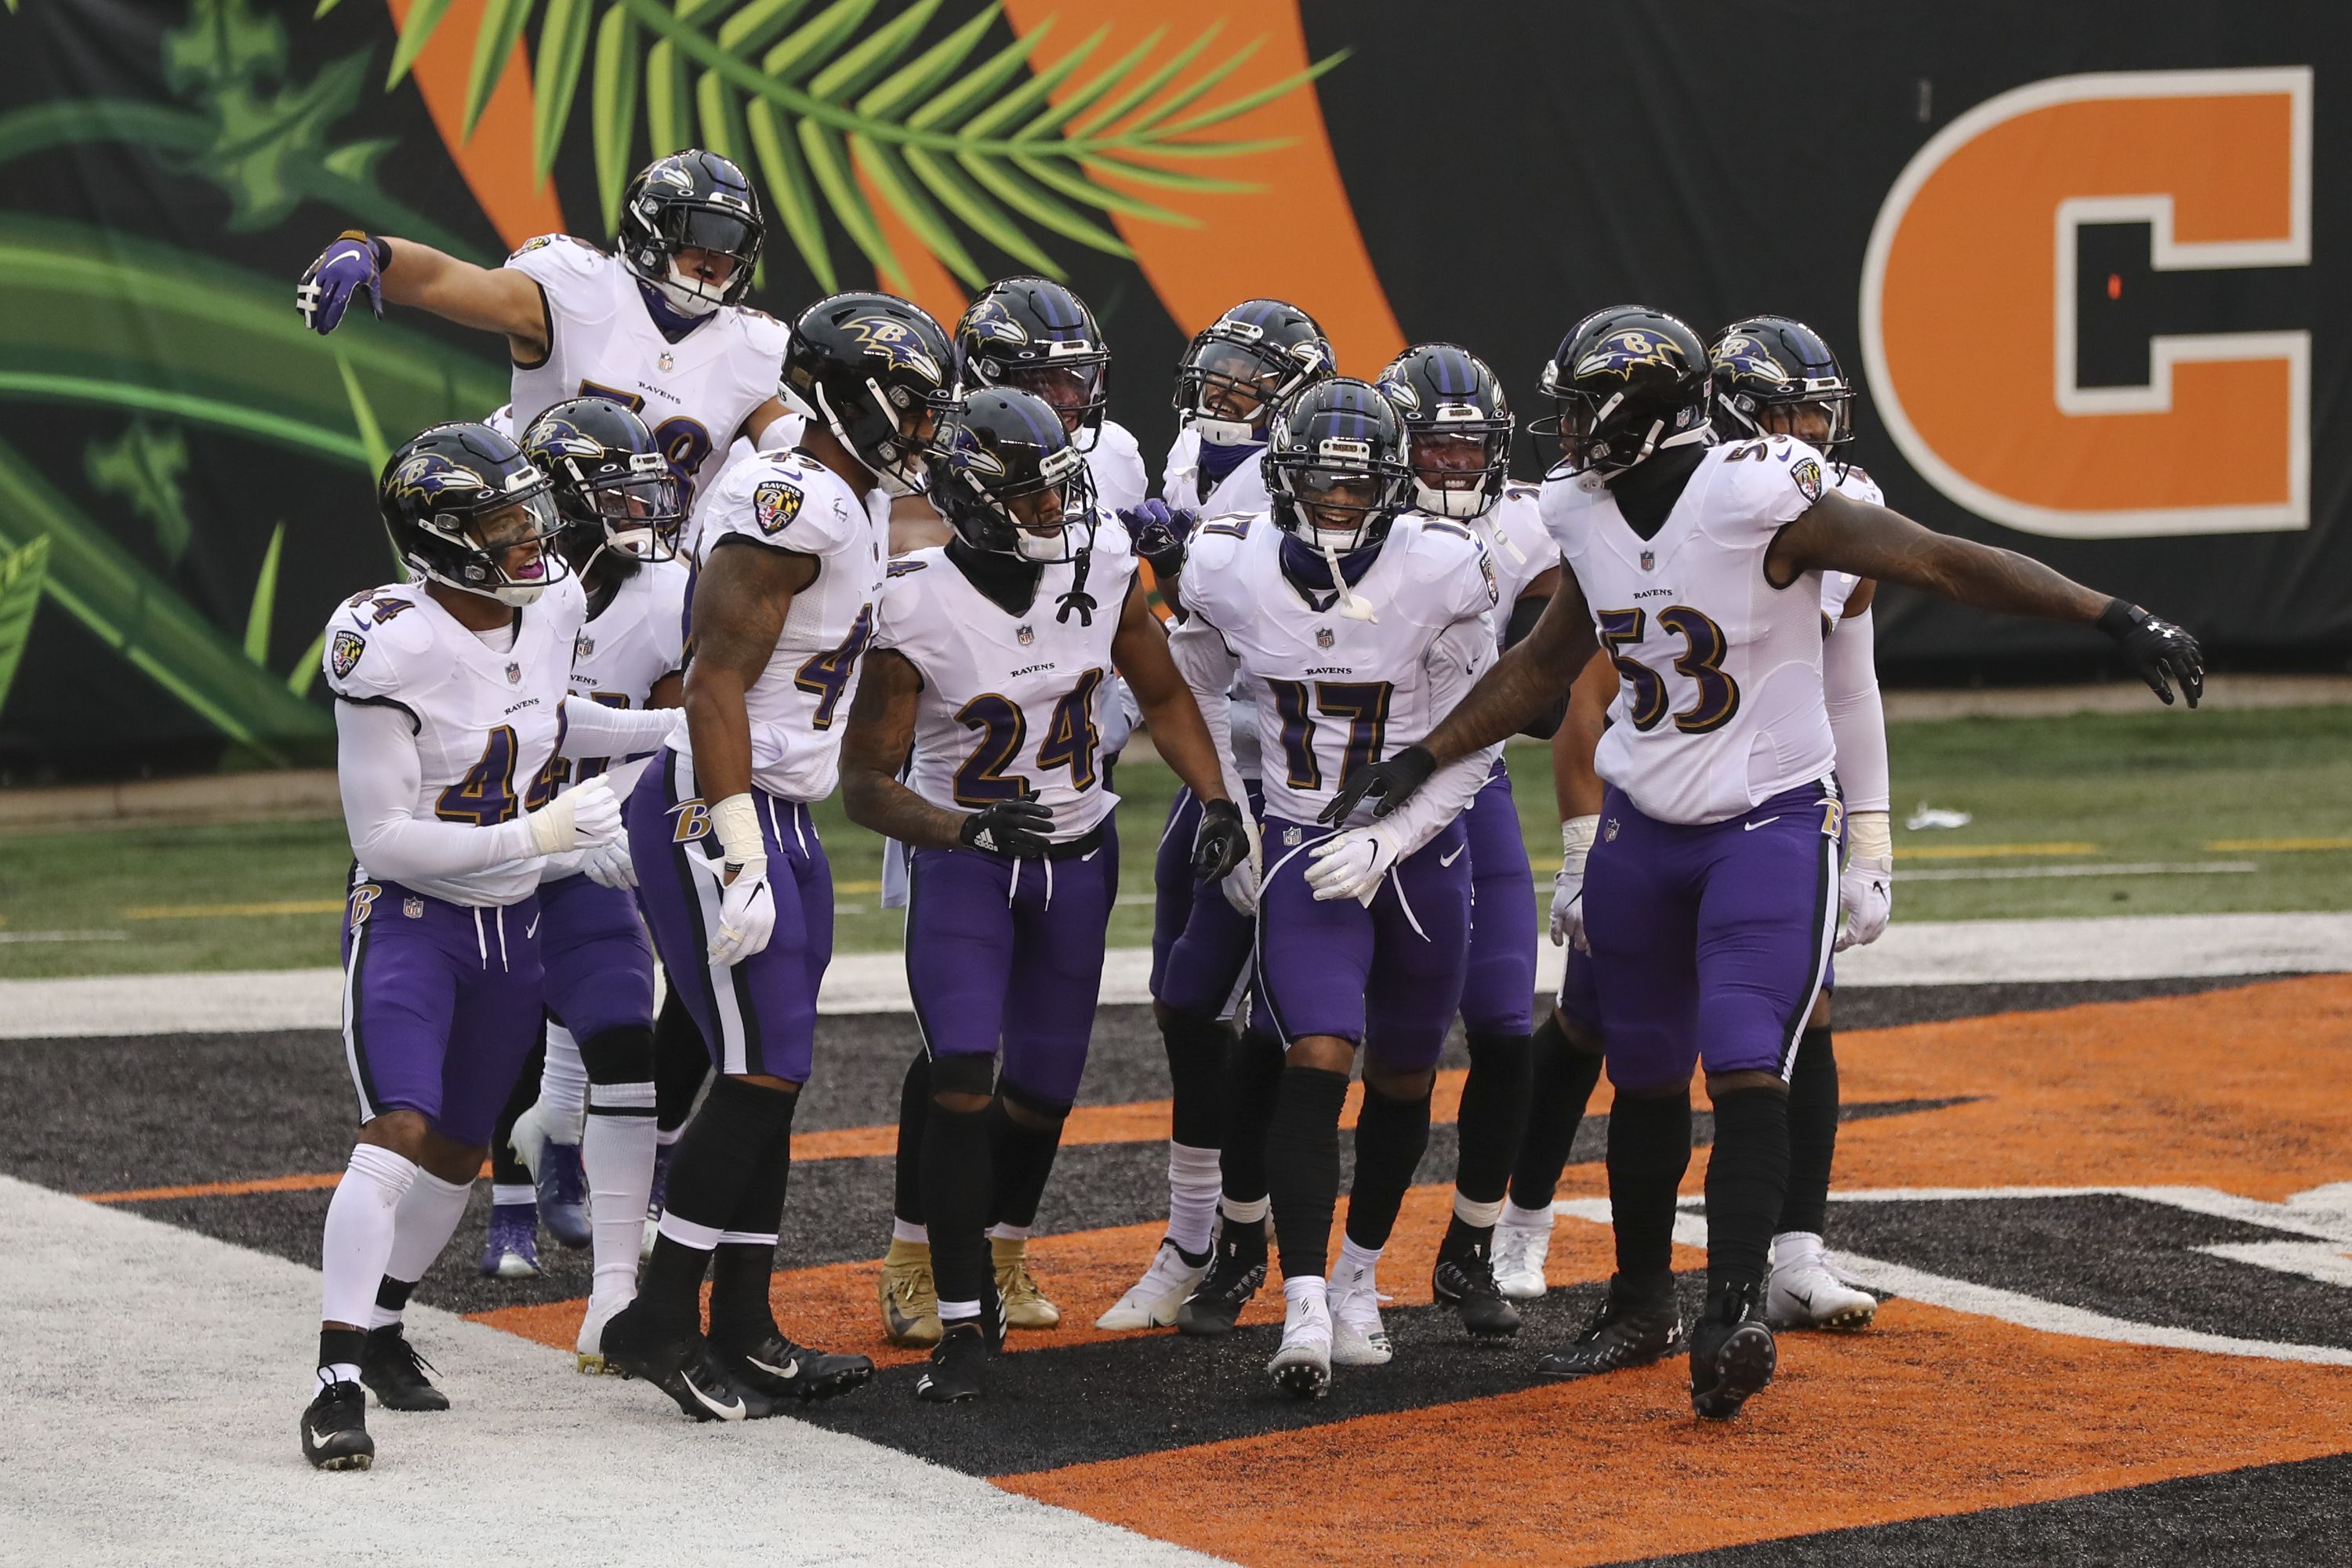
[{"x": 2079, "y": 229}]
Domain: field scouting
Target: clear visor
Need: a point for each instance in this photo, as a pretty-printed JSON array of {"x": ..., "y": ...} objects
[
  {"x": 1823, "y": 421},
  {"x": 1454, "y": 462},
  {"x": 515, "y": 537},
  {"x": 1070, "y": 390},
  {"x": 1235, "y": 383},
  {"x": 1337, "y": 500}
]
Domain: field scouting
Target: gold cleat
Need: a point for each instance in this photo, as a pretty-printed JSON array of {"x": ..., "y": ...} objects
[
  {"x": 910, "y": 1300},
  {"x": 1026, "y": 1306}
]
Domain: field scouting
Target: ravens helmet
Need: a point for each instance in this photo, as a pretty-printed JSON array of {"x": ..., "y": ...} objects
[
  {"x": 1775, "y": 376},
  {"x": 1335, "y": 468},
  {"x": 875, "y": 371},
  {"x": 1627, "y": 380},
  {"x": 692, "y": 200},
  {"x": 1243, "y": 364},
  {"x": 461, "y": 502},
  {"x": 1008, "y": 479},
  {"x": 1033, "y": 334},
  {"x": 1457, "y": 425},
  {"x": 611, "y": 481}
]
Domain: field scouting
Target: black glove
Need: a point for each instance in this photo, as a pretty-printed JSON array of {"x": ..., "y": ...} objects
[
  {"x": 1223, "y": 842},
  {"x": 1391, "y": 783},
  {"x": 1019, "y": 828},
  {"x": 1160, "y": 532},
  {"x": 2155, "y": 649}
]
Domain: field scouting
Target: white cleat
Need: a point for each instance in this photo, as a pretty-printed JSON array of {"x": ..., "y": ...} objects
[
  {"x": 1153, "y": 1302},
  {"x": 1807, "y": 1291},
  {"x": 1520, "y": 1253},
  {"x": 1358, "y": 1338},
  {"x": 1302, "y": 1367},
  {"x": 589, "y": 1349}
]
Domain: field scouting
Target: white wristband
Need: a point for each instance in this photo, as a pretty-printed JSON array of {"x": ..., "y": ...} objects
[
  {"x": 1576, "y": 836},
  {"x": 1867, "y": 836},
  {"x": 736, "y": 821}
]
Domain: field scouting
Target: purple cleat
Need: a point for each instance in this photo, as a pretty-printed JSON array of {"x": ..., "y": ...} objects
[
  {"x": 511, "y": 1252},
  {"x": 563, "y": 1192}
]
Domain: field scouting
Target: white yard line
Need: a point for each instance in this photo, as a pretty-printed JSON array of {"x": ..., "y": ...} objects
[
  {"x": 156, "y": 1378},
  {"x": 2133, "y": 868}
]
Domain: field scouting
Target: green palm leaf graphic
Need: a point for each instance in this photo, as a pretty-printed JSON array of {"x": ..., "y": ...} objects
[
  {"x": 22, "y": 572},
  {"x": 840, "y": 106}
]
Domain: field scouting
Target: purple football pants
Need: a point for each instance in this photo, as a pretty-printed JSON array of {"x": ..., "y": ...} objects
[
  {"x": 1709, "y": 942},
  {"x": 441, "y": 1004},
  {"x": 1200, "y": 942},
  {"x": 1499, "y": 989},
  {"x": 600, "y": 965}
]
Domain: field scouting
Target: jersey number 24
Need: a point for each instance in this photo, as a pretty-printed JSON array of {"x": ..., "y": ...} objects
[{"x": 1071, "y": 741}]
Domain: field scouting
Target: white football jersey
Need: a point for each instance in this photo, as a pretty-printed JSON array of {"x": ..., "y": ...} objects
[
  {"x": 1115, "y": 467},
  {"x": 1009, "y": 701},
  {"x": 1242, "y": 490},
  {"x": 1517, "y": 542},
  {"x": 1719, "y": 702},
  {"x": 693, "y": 393},
  {"x": 1837, "y": 587},
  {"x": 799, "y": 707},
  {"x": 636, "y": 639},
  {"x": 1340, "y": 693},
  {"x": 487, "y": 723}
]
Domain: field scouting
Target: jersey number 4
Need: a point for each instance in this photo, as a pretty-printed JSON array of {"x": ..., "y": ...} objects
[
  {"x": 486, "y": 796},
  {"x": 1364, "y": 704},
  {"x": 826, "y": 675},
  {"x": 1705, "y": 645},
  {"x": 1071, "y": 742}
]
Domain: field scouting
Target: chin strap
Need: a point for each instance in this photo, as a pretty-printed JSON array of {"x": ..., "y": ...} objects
[
  {"x": 1078, "y": 598},
  {"x": 1352, "y": 605}
]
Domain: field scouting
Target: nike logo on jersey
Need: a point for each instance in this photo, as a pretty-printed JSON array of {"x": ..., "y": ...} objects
[
  {"x": 1752, "y": 827},
  {"x": 1449, "y": 860}
]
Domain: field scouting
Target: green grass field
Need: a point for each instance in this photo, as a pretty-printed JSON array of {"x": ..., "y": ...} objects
[{"x": 2235, "y": 811}]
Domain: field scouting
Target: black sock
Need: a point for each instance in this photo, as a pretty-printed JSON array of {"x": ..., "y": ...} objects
[
  {"x": 718, "y": 1156},
  {"x": 1022, "y": 1156},
  {"x": 1198, "y": 1049},
  {"x": 506, "y": 1170},
  {"x": 391, "y": 1295},
  {"x": 1746, "y": 1180},
  {"x": 740, "y": 1270},
  {"x": 1391, "y": 1135},
  {"x": 681, "y": 1064},
  {"x": 341, "y": 1347},
  {"x": 1813, "y": 1133},
  {"x": 1494, "y": 1118},
  {"x": 1561, "y": 1080},
  {"x": 1252, "y": 1082},
  {"x": 914, "y": 1099},
  {"x": 1302, "y": 1166},
  {"x": 957, "y": 1188},
  {"x": 1649, "y": 1150}
]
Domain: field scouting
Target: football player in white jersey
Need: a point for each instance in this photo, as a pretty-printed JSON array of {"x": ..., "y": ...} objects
[
  {"x": 1460, "y": 426},
  {"x": 987, "y": 655},
  {"x": 787, "y": 556},
  {"x": 1772, "y": 376},
  {"x": 1233, "y": 373},
  {"x": 1365, "y": 621},
  {"x": 1710, "y": 896},
  {"x": 660, "y": 326},
  {"x": 450, "y": 710}
]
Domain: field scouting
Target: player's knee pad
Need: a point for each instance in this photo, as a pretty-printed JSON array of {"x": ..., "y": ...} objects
[
  {"x": 624, "y": 1054},
  {"x": 972, "y": 1074}
]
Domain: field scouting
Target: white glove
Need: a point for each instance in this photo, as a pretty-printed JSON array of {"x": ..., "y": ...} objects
[
  {"x": 747, "y": 906},
  {"x": 1576, "y": 836},
  {"x": 609, "y": 865},
  {"x": 1240, "y": 886},
  {"x": 583, "y": 815},
  {"x": 1350, "y": 865},
  {"x": 1866, "y": 888}
]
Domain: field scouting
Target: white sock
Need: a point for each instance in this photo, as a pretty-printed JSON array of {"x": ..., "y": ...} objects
[
  {"x": 1304, "y": 1287},
  {"x": 357, "y": 1245},
  {"x": 1518, "y": 1218},
  {"x": 1008, "y": 1232},
  {"x": 563, "y": 1087},
  {"x": 427, "y": 1217},
  {"x": 1795, "y": 1246},
  {"x": 510, "y": 1195},
  {"x": 342, "y": 1371},
  {"x": 1193, "y": 1185},
  {"x": 1251, "y": 1213},
  {"x": 617, "y": 1151},
  {"x": 1366, "y": 1259},
  {"x": 1482, "y": 1216},
  {"x": 901, "y": 1230},
  {"x": 956, "y": 1311}
]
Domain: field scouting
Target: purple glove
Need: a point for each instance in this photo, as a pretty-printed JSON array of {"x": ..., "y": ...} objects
[
  {"x": 353, "y": 263},
  {"x": 1160, "y": 535}
]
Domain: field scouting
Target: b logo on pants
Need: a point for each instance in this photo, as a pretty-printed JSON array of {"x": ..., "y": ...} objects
[
  {"x": 363, "y": 898},
  {"x": 693, "y": 821}
]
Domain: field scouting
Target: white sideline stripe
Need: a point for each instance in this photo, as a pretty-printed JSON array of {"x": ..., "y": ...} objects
[
  {"x": 1926, "y": 952},
  {"x": 144, "y": 1442},
  {"x": 2050, "y": 1317}
]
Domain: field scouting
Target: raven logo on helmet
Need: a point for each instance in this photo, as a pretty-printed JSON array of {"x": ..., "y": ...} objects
[
  {"x": 1745, "y": 356},
  {"x": 429, "y": 477},
  {"x": 989, "y": 320},
  {"x": 1623, "y": 351},
  {"x": 1398, "y": 391},
  {"x": 901, "y": 344}
]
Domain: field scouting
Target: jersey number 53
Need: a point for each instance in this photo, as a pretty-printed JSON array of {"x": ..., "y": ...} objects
[{"x": 1704, "y": 647}]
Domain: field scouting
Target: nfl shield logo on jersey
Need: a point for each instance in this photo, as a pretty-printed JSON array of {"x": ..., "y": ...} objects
[
  {"x": 1649, "y": 560},
  {"x": 584, "y": 647},
  {"x": 1323, "y": 638},
  {"x": 668, "y": 361},
  {"x": 1025, "y": 636},
  {"x": 514, "y": 674},
  {"x": 349, "y": 645},
  {"x": 774, "y": 504}
]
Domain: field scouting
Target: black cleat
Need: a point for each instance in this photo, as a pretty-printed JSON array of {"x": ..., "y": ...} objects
[
  {"x": 1732, "y": 1354},
  {"x": 782, "y": 1370},
  {"x": 1637, "y": 1326},
  {"x": 334, "y": 1429},
  {"x": 676, "y": 1361},
  {"x": 391, "y": 1366},
  {"x": 954, "y": 1373},
  {"x": 1465, "y": 1282},
  {"x": 1236, "y": 1272}
]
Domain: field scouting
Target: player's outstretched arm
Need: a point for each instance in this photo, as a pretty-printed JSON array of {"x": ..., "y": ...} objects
[
  {"x": 1842, "y": 534},
  {"x": 741, "y": 597},
  {"x": 1522, "y": 684},
  {"x": 1139, "y": 650},
  {"x": 493, "y": 298}
]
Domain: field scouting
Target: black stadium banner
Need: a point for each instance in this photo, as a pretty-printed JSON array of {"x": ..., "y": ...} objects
[{"x": 2069, "y": 254}]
